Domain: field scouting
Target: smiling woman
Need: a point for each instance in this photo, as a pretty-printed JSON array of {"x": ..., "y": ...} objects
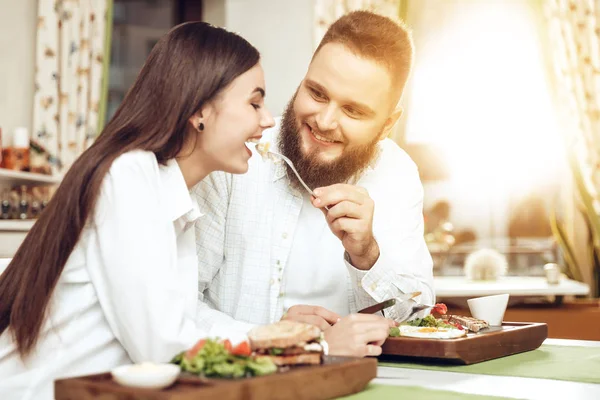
[{"x": 112, "y": 262}]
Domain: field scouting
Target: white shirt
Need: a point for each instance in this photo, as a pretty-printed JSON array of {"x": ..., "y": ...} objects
[
  {"x": 253, "y": 235},
  {"x": 128, "y": 291},
  {"x": 308, "y": 282}
]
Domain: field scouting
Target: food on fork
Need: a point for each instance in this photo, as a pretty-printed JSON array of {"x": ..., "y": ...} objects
[
  {"x": 288, "y": 343},
  {"x": 264, "y": 149}
]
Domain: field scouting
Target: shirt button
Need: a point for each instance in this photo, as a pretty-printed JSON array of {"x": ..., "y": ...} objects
[
  {"x": 278, "y": 262},
  {"x": 373, "y": 286},
  {"x": 284, "y": 236}
]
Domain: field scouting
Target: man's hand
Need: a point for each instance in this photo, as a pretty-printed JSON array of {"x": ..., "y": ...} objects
[
  {"x": 358, "y": 335},
  {"x": 314, "y": 315},
  {"x": 350, "y": 218}
]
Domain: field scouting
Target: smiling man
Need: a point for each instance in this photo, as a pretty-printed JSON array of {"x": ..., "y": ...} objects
[{"x": 270, "y": 251}]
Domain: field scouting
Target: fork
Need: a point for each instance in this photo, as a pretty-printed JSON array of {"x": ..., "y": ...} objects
[
  {"x": 291, "y": 165},
  {"x": 412, "y": 310}
]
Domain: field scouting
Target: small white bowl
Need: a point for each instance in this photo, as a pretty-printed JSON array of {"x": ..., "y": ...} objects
[
  {"x": 146, "y": 375},
  {"x": 489, "y": 308}
]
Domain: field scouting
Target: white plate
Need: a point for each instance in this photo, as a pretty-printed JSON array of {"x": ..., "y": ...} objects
[{"x": 146, "y": 375}]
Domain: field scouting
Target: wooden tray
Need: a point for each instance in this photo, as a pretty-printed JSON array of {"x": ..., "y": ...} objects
[
  {"x": 489, "y": 343},
  {"x": 337, "y": 376}
]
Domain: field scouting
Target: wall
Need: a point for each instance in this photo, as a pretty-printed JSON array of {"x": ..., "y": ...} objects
[
  {"x": 281, "y": 30},
  {"x": 17, "y": 57}
]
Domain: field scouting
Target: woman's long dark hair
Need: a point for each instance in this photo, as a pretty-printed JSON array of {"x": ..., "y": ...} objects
[{"x": 188, "y": 67}]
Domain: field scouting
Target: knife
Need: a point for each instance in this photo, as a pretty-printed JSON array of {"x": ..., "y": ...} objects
[
  {"x": 378, "y": 307},
  {"x": 388, "y": 303}
]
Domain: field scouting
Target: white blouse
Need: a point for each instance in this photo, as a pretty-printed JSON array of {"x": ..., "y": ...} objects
[{"x": 129, "y": 290}]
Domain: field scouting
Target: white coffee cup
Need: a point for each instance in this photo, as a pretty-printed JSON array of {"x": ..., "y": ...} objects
[{"x": 489, "y": 308}]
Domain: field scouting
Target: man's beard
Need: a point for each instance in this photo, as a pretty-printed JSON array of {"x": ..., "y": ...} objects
[{"x": 315, "y": 172}]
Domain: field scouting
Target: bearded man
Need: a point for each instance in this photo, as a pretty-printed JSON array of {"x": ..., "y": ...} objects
[{"x": 268, "y": 250}]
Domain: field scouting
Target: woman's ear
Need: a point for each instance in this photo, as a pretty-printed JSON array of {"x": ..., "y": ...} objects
[{"x": 198, "y": 120}]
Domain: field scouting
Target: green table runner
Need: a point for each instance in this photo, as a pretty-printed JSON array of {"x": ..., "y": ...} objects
[
  {"x": 391, "y": 392},
  {"x": 565, "y": 363}
]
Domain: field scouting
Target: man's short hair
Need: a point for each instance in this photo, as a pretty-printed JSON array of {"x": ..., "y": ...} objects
[{"x": 378, "y": 38}]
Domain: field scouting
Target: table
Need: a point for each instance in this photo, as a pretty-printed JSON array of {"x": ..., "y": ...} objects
[
  {"x": 511, "y": 387},
  {"x": 517, "y": 286}
]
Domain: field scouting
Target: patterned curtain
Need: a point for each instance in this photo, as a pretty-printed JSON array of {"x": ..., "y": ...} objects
[
  {"x": 574, "y": 31},
  {"x": 68, "y": 76},
  {"x": 575, "y": 34},
  {"x": 327, "y": 11}
]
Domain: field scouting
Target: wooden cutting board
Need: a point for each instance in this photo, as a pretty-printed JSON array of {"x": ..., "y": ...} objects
[
  {"x": 337, "y": 376},
  {"x": 489, "y": 343}
]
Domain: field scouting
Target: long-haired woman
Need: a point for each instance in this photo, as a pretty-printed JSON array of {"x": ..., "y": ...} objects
[{"x": 108, "y": 274}]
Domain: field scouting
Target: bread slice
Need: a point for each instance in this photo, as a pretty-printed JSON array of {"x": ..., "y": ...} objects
[
  {"x": 299, "y": 359},
  {"x": 282, "y": 334}
]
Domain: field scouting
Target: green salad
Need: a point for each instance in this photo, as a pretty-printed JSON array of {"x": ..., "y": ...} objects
[{"x": 212, "y": 358}]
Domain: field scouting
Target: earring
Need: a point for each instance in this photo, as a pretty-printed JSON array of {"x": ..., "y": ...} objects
[{"x": 201, "y": 126}]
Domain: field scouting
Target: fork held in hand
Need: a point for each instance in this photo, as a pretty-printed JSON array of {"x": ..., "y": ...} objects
[{"x": 291, "y": 165}]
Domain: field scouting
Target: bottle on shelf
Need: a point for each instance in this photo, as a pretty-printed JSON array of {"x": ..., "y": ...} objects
[
  {"x": 5, "y": 206},
  {"x": 23, "y": 203}
]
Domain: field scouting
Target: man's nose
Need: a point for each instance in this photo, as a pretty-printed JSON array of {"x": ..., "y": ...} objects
[{"x": 327, "y": 119}]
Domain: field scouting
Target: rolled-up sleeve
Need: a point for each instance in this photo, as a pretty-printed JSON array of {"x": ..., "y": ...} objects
[{"x": 404, "y": 264}]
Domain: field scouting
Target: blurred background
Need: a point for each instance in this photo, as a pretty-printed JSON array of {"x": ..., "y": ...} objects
[{"x": 502, "y": 117}]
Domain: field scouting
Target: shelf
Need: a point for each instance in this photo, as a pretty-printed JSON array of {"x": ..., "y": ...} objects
[
  {"x": 16, "y": 225},
  {"x": 451, "y": 286},
  {"x": 10, "y": 177}
]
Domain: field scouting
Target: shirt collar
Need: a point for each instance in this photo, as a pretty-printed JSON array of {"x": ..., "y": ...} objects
[{"x": 178, "y": 199}]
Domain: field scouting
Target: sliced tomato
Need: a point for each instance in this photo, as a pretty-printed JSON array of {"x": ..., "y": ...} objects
[
  {"x": 440, "y": 308},
  {"x": 191, "y": 353},
  {"x": 227, "y": 344},
  {"x": 242, "y": 349}
]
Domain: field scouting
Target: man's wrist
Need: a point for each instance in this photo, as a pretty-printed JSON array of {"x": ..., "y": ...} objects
[{"x": 367, "y": 260}]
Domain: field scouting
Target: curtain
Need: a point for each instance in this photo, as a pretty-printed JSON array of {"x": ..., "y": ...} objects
[
  {"x": 328, "y": 11},
  {"x": 574, "y": 32},
  {"x": 68, "y": 76}
]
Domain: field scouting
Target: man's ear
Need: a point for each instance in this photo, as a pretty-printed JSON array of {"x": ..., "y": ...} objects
[{"x": 390, "y": 122}]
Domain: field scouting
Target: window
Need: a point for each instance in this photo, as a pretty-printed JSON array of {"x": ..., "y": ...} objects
[
  {"x": 480, "y": 96},
  {"x": 137, "y": 26}
]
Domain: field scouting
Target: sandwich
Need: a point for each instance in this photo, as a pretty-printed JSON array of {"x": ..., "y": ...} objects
[{"x": 288, "y": 343}]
